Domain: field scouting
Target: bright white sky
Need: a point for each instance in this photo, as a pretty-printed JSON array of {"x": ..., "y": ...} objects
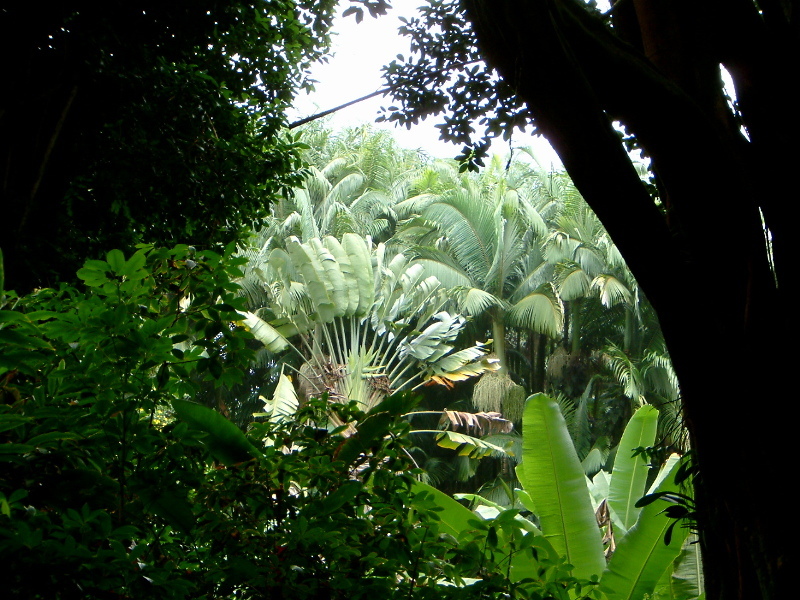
[{"x": 360, "y": 50}]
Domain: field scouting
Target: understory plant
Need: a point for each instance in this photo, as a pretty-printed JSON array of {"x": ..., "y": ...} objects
[
  {"x": 634, "y": 549},
  {"x": 115, "y": 484}
]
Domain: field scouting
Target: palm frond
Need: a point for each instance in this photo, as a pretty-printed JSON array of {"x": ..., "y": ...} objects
[
  {"x": 612, "y": 291},
  {"x": 540, "y": 311}
]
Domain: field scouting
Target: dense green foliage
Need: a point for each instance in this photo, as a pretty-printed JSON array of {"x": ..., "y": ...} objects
[
  {"x": 145, "y": 122},
  {"x": 520, "y": 254},
  {"x": 162, "y": 123},
  {"x": 101, "y": 497}
]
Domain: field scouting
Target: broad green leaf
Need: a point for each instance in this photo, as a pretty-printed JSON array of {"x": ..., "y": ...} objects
[
  {"x": 476, "y": 502},
  {"x": 284, "y": 401},
  {"x": 116, "y": 260},
  {"x": 335, "y": 281},
  {"x": 45, "y": 439},
  {"x": 642, "y": 556},
  {"x": 265, "y": 333},
  {"x": 687, "y": 580},
  {"x": 346, "y": 492},
  {"x": 455, "y": 517},
  {"x": 468, "y": 445},
  {"x": 310, "y": 267},
  {"x": 629, "y": 476},
  {"x": 348, "y": 272},
  {"x": 226, "y": 442},
  {"x": 14, "y": 337},
  {"x": 357, "y": 250},
  {"x": 134, "y": 266},
  {"x": 12, "y": 316},
  {"x": 553, "y": 476}
]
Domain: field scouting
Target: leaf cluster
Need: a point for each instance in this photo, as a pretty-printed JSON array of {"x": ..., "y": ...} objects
[
  {"x": 445, "y": 74},
  {"x": 146, "y": 122},
  {"x": 116, "y": 485}
]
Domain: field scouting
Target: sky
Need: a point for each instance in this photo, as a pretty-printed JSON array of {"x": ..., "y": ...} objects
[{"x": 360, "y": 50}]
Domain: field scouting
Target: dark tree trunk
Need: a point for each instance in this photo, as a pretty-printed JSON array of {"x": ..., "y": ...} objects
[{"x": 707, "y": 240}]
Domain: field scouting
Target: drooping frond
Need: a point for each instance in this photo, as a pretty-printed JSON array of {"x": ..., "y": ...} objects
[
  {"x": 540, "y": 311},
  {"x": 573, "y": 282},
  {"x": 612, "y": 291},
  {"x": 468, "y": 225},
  {"x": 441, "y": 266},
  {"x": 467, "y": 445},
  {"x": 627, "y": 374},
  {"x": 414, "y": 205},
  {"x": 473, "y": 301},
  {"x": 480, "y": 423}
]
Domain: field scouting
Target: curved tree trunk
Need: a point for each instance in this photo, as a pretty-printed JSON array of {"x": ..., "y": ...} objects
[{"x": 576, "y": 76}]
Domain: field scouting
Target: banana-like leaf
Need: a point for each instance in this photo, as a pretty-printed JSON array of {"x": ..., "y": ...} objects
[
  {"x": 465, "y": 444},
  {"x": 317, "y": 285},
  {"x": 265, "y": 333},
  {"x": 432, "y": 343},
  {"x": 642, "y": 556},
  {"x": 629, "y": 476},
  {"x": 598, "y": 488},
  {"x": 284, "y": 402},
  {"x": 480, "y": 422},
  {"x": 226, "y": 442},
  {"x": 553, "y": 475},
  {"x": 683, "y": 579},
  {"x": 456, "y": 518},
  {"x": 348, "y": 272},
  {"x": 686, "y": 574},
  {"x": 477, "y": 501},
  {"x": 335, "y": 280},
  {"x": 357, "y": 250}
]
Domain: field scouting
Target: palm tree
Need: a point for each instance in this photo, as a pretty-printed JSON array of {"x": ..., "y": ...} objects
[
  {"x": 481, "y": 240},
  {"x": 352, "y": 183},
  {"x": 614, "y": 342}
]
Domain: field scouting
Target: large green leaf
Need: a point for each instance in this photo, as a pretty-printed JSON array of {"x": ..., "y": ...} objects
[
  {"x": 553, "y": 476},
  {"x": 265, "y": 333},
  {"x": 540, "y": 311},
  {"x": 467, "y": 445},
  {"x": 308, "y": 263},
  {"x": 629, "y": 476},
  {"x": 642, "y": 556},
  {"x": 335, "y": 280},
  {"x": 359, "y": 253},
  {"x": 284, "y": 403},
  {"x": 226, "y": 442},
  {"x": 457, "y": 520},
  {"x": 348, "y": 272},
  {"x": 455, "y": 517}
]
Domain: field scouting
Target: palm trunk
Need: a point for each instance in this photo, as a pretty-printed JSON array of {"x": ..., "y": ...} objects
[
  {"x": 499, "y": 337},
  {"x": 575, "y": 328}
]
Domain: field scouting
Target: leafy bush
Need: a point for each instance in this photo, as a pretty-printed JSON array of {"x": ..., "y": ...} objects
[{"x": 101, "y": 497}]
